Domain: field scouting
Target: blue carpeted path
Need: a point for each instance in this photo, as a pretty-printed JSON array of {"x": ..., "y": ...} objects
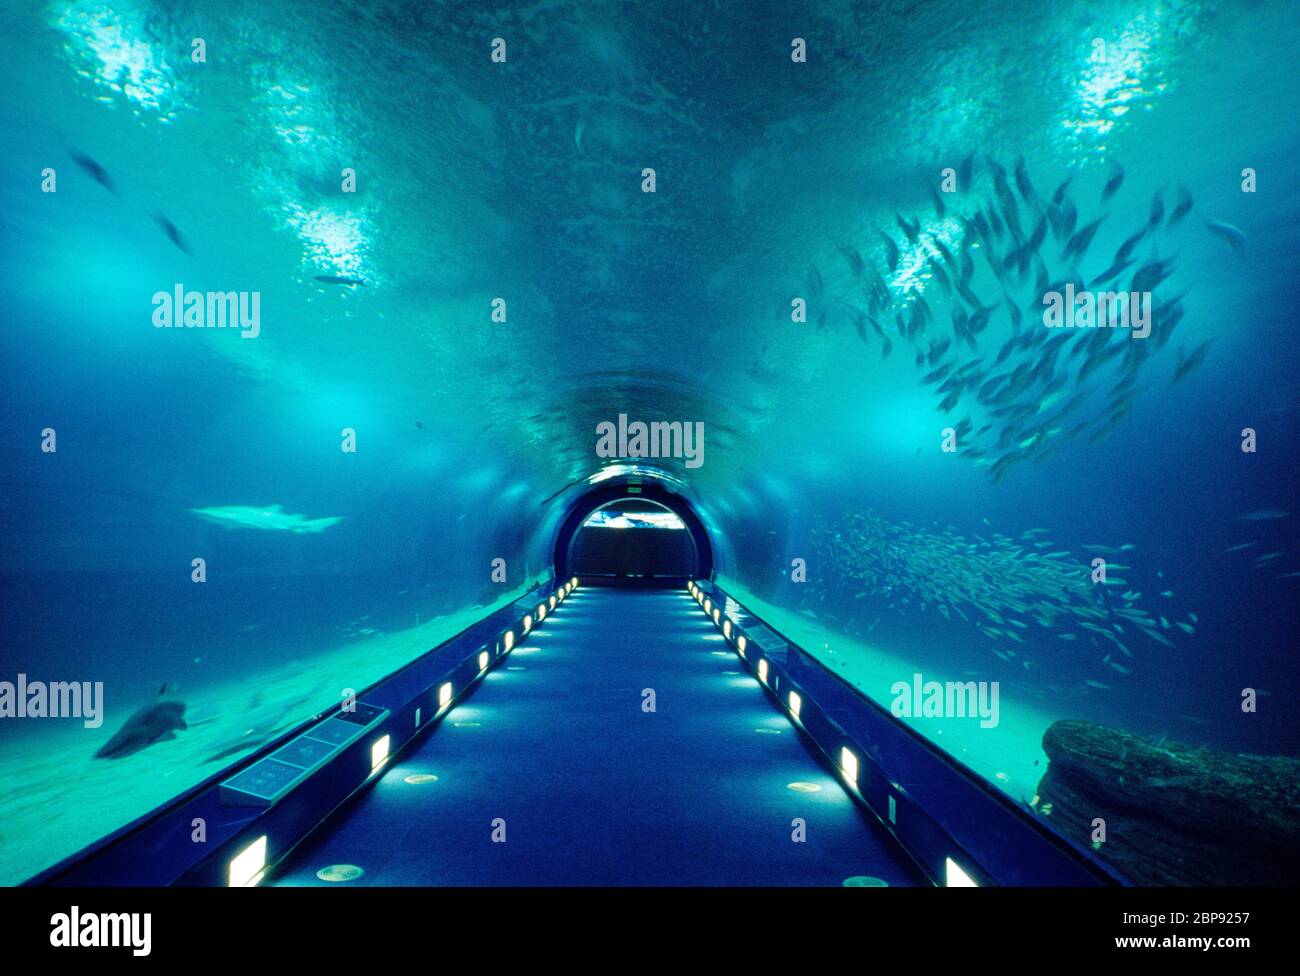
[{"x": 595, "y": 791}]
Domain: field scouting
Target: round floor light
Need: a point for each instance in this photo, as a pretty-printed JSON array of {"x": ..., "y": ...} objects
[{"x": 340, "y": 872}]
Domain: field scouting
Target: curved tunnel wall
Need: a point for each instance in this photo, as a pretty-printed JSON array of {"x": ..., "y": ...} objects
[{"x": 826, "y": 496}]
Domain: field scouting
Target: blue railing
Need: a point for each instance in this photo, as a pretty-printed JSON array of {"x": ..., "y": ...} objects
[
  {"x": 956, "y": 827},
  {"x": 253, "y": 813}
]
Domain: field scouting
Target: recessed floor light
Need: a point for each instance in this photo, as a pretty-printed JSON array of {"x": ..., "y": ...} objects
[
  {"x": 804, "y": 787},
  {"x": 516, "y": 667},
  {"x": 415, "y": 779},
  {"x": 768, "y": 731},
  {"x": 466, "y": 725},
  {"x": 247, "y": 867},
  {"x": 340, "y": 872},
  {"x": 864, "y": 881}
]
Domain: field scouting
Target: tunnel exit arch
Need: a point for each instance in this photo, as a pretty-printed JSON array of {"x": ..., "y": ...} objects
[{"x": 649, "y": 491}]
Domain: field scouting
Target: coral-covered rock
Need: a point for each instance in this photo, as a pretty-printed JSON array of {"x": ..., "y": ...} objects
[{"x": 1174, "y": 815}]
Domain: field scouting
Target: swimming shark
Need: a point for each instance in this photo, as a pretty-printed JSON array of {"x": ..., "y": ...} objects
[
  {"x": 273, "y": 518},
  {"x": 155, "y": 722}
]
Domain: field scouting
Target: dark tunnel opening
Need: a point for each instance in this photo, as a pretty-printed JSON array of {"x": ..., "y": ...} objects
[
  {"x": 628, "y": 534},
  {"x": 633, "y": 540}
]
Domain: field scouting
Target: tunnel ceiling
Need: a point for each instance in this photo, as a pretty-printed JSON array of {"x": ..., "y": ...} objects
[{"x": 522, "y": 181}]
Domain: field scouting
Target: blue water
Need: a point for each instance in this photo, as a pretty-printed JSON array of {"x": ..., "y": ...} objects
[{"x": 522, "y": 180}]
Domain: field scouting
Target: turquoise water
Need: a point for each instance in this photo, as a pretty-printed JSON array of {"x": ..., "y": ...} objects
[{"x": 522, "y": 180}]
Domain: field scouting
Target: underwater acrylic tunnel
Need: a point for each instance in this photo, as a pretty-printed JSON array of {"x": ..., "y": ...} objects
[
  {"x": 664, "y": 445},
  {"x": 277, "y": 801}
]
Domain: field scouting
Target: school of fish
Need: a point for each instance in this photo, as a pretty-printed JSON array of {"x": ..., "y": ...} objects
[
  {"x": 965, "y": 291},
  {"x": 1006, "y": 587}
]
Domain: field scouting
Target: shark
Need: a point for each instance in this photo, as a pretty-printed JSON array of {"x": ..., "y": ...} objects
[
  {"x": 272, "y": 518},
  {"x": 156, "y": 722}
]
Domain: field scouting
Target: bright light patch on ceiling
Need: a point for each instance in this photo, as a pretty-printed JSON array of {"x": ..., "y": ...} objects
[
  {"x": 620, "y": 470},
  {"x": 1109, "y": 84},
  {"x": 1121, "y": 73},
  {"x": 335, "y": 243},
  {"x": 607, "y": 472},
  {"x": 105, "y": 44},
  {"x": 289, "y": 107}
]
